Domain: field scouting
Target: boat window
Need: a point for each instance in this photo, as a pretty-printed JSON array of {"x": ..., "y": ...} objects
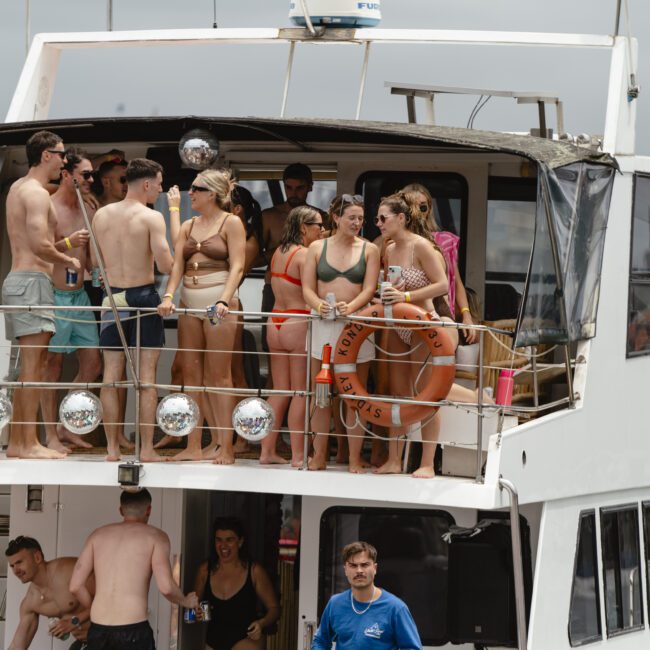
[
  {"x": 411, "y": 557},
  {"x": 449, "y": 193},
  {"x": 509, "y": 241},
  {"x": 638, "y": 334},
  {"x": 584, "y": 613},
  {"x": 646, "y": 537},
  {"x": 619, "y": 532}
]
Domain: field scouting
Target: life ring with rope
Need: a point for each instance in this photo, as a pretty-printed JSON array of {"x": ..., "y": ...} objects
[{"x": 443, "y": 361}]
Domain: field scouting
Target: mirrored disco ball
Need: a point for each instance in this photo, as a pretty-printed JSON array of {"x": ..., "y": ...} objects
[
  {"x": 253, "y": 419},
  {"x": 198, "y": 149},
  {"x": 80, "y": 412},
  {"x": 177, "y": 414},
  {"x": 6, "y": 410}
]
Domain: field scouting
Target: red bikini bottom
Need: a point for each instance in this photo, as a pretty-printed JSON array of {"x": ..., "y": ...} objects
[{"x": 278, "y": 320}]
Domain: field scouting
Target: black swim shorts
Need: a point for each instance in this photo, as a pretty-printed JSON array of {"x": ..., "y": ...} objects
[
  {"x": 137, "y": 636},
  {"x": 152, "y": 329}
]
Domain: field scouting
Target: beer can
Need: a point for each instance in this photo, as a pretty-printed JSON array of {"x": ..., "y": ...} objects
[
  {"x": 95, "y": 277},
  {"x": 71, "y": 276},
  {"x": 384, "y": 285},
  {"x": 331, "y": 301},
  {"x": 205, "y": 608},
  {"x": 189, "y": 615},
  {"x": 52, "y": 621}
]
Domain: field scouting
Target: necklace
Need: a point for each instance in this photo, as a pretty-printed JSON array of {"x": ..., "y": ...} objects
[{"x": 363, "y": 611}]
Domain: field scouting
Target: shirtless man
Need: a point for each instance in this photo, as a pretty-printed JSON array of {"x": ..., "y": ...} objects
[
  {"x": 111, "y": 177},
  {"x": 48, "y": 594},
  {"x": 30, "y": 224},
  {"x": 298, "y": 182},
  {"x": 131, "y": 236},
  {"x": 123, "y": 558},
  {"x": 70, "y": 227}
]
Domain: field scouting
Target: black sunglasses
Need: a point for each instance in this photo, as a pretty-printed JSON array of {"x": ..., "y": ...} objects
[
  {"x": 86, "y": 175},
  {"x": 320, "y": 224},
  {"x": 381, "y": 218},
  {"x": 424, "y": 207},
  {"x": 61, "y": 154},
  {"x": 122, "y": 179},
  {"x": 199, "y": 188}
]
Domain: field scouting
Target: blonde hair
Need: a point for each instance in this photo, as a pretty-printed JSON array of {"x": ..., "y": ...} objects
[
  {"x": 410, "y": 191},
  {"x": 221, "y": 182}
]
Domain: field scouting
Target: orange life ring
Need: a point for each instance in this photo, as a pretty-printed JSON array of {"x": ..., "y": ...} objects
[{"x": 442, "y": 359}]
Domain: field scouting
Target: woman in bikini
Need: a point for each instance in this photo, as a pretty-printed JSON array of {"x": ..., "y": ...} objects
[
  {"x": 286, "y": 336},
  {"x": 233, "y": 586},
  {"x": 209, "y": 261},
  {"x": 424, "y": 283},
  {"x": 347, "y": 266},
  {"x": 419, "y": 198}
]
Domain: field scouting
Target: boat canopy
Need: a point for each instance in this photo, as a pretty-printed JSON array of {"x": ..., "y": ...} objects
[{"x": 574, "y": 188}]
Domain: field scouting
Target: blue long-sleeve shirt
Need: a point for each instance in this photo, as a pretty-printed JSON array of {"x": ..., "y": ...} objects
[{"x": 386, "y": 625}]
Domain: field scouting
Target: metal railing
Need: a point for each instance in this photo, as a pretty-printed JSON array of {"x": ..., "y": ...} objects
[{"x": 480, "y": 408}]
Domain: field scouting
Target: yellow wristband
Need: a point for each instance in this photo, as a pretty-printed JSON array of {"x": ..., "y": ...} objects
[
  {"x": 68, "y": 243},
  {"x": 464, "y": 309},
  {"x": 407, "y": 296},
  {"x": 174, "y": 209},
  {"x": 168, "y": 295}
]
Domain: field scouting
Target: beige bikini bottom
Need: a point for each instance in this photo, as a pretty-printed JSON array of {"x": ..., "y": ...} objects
[{"x": 207, "y": 290}]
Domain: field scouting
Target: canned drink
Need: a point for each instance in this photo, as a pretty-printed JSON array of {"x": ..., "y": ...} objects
[
  {"x": 95, "y": 277},
  {"x": 331, "y": 301},
  {"x": 52, "y": 621},
  {"x": 384, "y": 285},
  {"x": 205, "y": 608},
  {"x": 189, "y": 615},
  {"x": 71, "y": 277}
]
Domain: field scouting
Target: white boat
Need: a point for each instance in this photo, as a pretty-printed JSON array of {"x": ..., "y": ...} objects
[{"x": 566, "y": 227}]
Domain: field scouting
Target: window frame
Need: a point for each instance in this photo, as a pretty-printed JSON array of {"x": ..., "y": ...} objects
[
  {"x": 583, "y": 514},
  {"x": 361, "y": 510},
  {"x": 633, "y": 507},
  {"x": 635, "y": 279}
]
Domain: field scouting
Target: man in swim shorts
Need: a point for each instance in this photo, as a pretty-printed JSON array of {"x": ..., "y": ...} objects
[
  {"x": 123, "y": 557},
  {"x": 75, "y": 330},
  {"x": 131, "y": 237},
  {"x": 31, "y": 222},
  {"x": 48, "y": 594}
]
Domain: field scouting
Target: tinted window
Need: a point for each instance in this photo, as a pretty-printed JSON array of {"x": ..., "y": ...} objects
[
  {"x": 449, "y": 192},
  {"x": 412, "y": 559},
  {"x": 638, "y": 334},
  {"x": 646, "y": 537},
  {"x": 584, "y": 614},
  {"x": 510, "y": 229},
  {"x": 619, "y": 532}
]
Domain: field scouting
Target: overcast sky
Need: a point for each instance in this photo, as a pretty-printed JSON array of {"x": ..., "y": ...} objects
[{"x": 247, "y": 80}]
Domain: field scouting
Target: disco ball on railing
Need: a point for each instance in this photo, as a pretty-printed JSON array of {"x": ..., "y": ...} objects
[
  {"x": 80, "y": 412},
  {"x": 253, "y": 419},
  {"x": 6, "y": 410},
  {"x": 177, "y": 415}
]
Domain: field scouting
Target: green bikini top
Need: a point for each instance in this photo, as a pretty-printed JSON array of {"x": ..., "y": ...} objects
[{"x": 355, "y": 274}]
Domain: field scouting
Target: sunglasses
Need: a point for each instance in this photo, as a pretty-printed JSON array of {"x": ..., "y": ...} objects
[
  {"x": 350, "y": 199},
  {"x": 199, "y": 188},
  {"x": 380, "y": 218},
  {"x": 61, "y": 154},
  {"x": 315, "y": 223},
  {"x": 424, "y": 207},
  {"x": 86, "y": 175},
  {"x": 122, "y": 180}
]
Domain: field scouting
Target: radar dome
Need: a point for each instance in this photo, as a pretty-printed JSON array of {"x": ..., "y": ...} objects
[{"x": 337, "y": 13}]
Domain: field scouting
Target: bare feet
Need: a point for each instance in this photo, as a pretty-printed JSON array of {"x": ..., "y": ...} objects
[
  {"x": 317, "y": 463},
  {"x": 297, "y": 462},
  {"x": 357, "y": 468},
  {"x": 150, "y": 456},
  {"x": 165, "y": 441},
  {"x": 224, "y": 457},
  {"x": 114, "y": 453},
  {"x": 389, "y": 467},
  {"x": 272, "y": 459},
  {"x": 424, "y": 472},
  {"x": 71, "y": 438},
  {"x": 57, "y": 445},
  {"x": 241, "y": 446},
  {"x": 125, "y": 443},
  {"x": 36, "y": 451},
  {"x": 210, "y": 452},
  {"x": 188, "y": 454}
]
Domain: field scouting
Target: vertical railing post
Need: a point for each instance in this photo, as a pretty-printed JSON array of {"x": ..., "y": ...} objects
[
  {"x": 569, "y": 376},
  {"x": 479, "y": 421},
  {"x": 517, "y": 564},
  {"x": 138, "y": 387},
  {"x": 305, "y": 459}
]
